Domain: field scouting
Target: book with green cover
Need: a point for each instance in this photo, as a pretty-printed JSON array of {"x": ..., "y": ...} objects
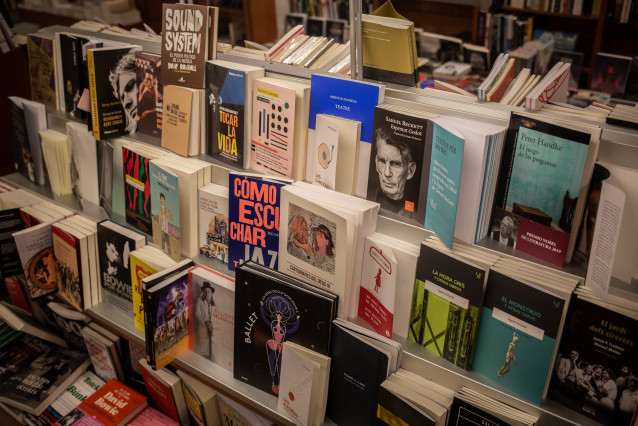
[{"x": 447, "y": 298}]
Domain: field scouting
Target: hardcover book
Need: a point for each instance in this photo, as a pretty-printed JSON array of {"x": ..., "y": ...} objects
[
  {"x": 229, "y": 111},
  {"x": 150, "y": 102},
  {"x": 595, "y": 370},
  {"x": 212, "y": 315},
  {"x": 447, "y": 298},
  {"x": 253, "y": 212},
  {"x": 545, "y": 167},
  {"x": 189, "y": 38},
  {"x": 111, "y": 73},
  {"x": 115, "y": 243},
  {"x": 518, "y": 335},
  {"x": 113, "y": 404},
  {"x": 165, "y": 210},
  {"x": 213, "y": 221},
  {"x": 41, "y": 55},
  {"x": 269, "y": 303},
  {"x": 36, "y": 386}
]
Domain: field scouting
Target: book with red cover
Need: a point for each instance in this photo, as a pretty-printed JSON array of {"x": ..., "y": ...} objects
[{"x": 113, "y": 404}]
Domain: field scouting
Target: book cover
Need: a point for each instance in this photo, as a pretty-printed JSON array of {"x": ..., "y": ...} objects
[
  {"x": 18, "y": 351},
  {"x": 189, "y": 38},
  {"x": 595, "y": 370},
  {"x": 213, "y": 224},
  {"x": 35, "y": 248},
  {"x": 34, "y": 387},
  {"x": 253, "y": 217},
  {"x": 150, "y": 101},
  {"x": 444, "y": 182},
  {"x": 465, "y": 412},
  {"x": 181, "y": 125},
  {"x": 160, "y": 393},
  {"x": 212, "y": 314},
  {"x": 226, "y": 111},
  {"x": 137, "y": 190},
  {"x": 322, "y": 162},
  {"x": 115, "y": 243},
  {"x": 517, "y": 336},
  {"x": 399, "y": 157},
  {"x": 11, "y": 222},
  {"x": 270, "y": 311},
  {"x": 201, "y": 401},
  {"x": 35, "y": 115},
  {"x": 610, "y": 74},
  {"x": 71, "y": 76},
  {"x": 150, "y": 417},
  {"x": 378, "y": 286},
  {"x": 273, "y": 128},
  {"x": 71, "y": 323},
  {"x": 113, "y": 88},
  {"x": 67, "y": 267},
  {"x": 299, "y": 377},
  {"x": 41, "y": 55},
  {"x": 105, "y": 175},
  {"x": 542, "y": 168},
  {"x": 165, "y": 210},
  {"x": 446, "y": 303},
  {"x": 102, "y": 353},
  {"x": 167, "y": 305},
  {"x": 112, "y": 404},
  {"x": 22, "y": 156},
  {"x": 394, "y": 409},
  {"x": 139, "y": 271},
  {"x": 327, "y": 97},
  {"x": 82, "y": 388},
  {"x": 83, "y": 154},
  {"x": 357, "y": 370}
]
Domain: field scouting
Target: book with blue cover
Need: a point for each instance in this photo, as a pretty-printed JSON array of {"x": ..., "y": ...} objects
[
  {"x": 351, "y": 99},
  {"x": 518, "y": 334},
  {"x": 253, "y": 219},
  {"x": 165, "y": 210},
  {"x": 444, "y": 182}
]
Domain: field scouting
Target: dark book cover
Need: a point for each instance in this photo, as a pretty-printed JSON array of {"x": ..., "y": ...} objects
[
  {"x": 225, "y": 109},
  {"x": 10, "y": 222},
  {"x": 271, "y": 308},
  {"x": 186, "y": 29},
  {"x": 68, "y": 267},
  {"x": 356, "y": 372},
  {"x": 105, "y": 175},
  {"x": 392, "y": 409},
  {"x": 35, "y": 386},
  {"x": 115, "y": 273},
  {"x": 73, "y": 73},
  {"x": 70, "y": 323},
  {"x": 400, "y": 149},
  {"x": 464, "y": 413},
  {"x": 520, "y": 325},
  {"x": 40, "y": 51},
  {"x": 150, "y": 100},
  {"x": 22, "y": 157},
  {"x": 595, "y": 371},
  {"x": 610, "y": 74},
  {"x": 446, "y": 303},
  {"x": 113, "y": 87},
  {"x": 137, "y": 190},
  {"x": 542, "y": 168},
  {"x": 20, "y": 353},
  {"x": 253, "y": 218}
]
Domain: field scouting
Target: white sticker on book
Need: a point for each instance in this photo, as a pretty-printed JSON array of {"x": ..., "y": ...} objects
[
  {"x": 518, "y": 324},
  {"x": 447, "y": 295}
]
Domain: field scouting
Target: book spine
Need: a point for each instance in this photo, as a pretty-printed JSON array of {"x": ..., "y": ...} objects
[{"x": 92, "y": 88}]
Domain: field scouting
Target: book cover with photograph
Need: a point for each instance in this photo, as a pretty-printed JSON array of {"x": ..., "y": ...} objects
[
  {"x": 165, "y": 210},
  {"x": 67, "y": 267},
  {"x": 213, "y": 222},
  {"x": 71, "y": 75},
  {"x": 41, "y": 55},
  {"x": 149, "y": 93}
]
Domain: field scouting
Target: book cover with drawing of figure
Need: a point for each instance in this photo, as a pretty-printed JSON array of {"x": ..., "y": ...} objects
[{"x": 137, "y": 190}]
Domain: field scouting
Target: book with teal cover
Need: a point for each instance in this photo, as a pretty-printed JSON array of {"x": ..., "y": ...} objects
[
  {"x": 165, "y": 210},
  {"x": 444, "y": 182},
  {"x": 517, "y": 336},
  {"x": 447, "y": 297}
]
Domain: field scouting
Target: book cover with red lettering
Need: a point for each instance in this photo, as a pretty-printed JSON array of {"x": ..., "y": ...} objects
[
  {"x": 253, "y": 218},
  {"x": 113, "y": 404},
  {"x": 162, "y": 394},
  {"x": 229, "y": 110}
]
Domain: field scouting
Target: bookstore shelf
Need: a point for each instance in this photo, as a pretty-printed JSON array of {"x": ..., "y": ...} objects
[
  {"x": 543, "y": 12},
  {"x": 618, "y": 146}
]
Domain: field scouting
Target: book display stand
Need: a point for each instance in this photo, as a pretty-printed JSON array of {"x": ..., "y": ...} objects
[{"x": 618, "y": 146}]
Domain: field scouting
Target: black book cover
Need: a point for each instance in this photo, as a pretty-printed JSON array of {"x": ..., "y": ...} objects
[
  {"x": 113, "y": 87},
  {"x": 400, "y": 146},
  {"x": 464, "y": 413},
  {"x": 20, "y": 353},
  {"x": 595, "y": 371},
  {"x": 22, "y": 157},
  {"x": 73, "y": 75},
  {"x": 150, "y": 93},
  {"x": 10, "y": 222},
  {"x": 356, "y": 372},
  {"x": 105, "y": 175},
  {"x": 226, "y": 94},
  {"x": 268, "y": 311}
]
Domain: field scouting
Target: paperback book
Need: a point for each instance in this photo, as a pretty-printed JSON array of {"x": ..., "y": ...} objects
[
  {"x": 213, "y": 222},
  {"x": 165, "y": 215},
  {"x": 35, "y": 248},
  {"x": 150, "y": 102},
  {"x": 41, "y": 54},
  {"x": 137, "y": 189}
]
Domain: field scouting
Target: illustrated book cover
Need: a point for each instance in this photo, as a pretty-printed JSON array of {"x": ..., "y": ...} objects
[
  {"x": 213, "y": 221},
  {"x": 150, "y": 100}
]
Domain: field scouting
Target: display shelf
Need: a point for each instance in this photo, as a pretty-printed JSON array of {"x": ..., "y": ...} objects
[{"x": 547, "y": 13}]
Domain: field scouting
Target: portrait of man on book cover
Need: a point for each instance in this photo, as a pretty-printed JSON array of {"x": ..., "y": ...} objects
[
  {"x": 394, "y": 176},
  {"x": 505, "y": 227}
]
